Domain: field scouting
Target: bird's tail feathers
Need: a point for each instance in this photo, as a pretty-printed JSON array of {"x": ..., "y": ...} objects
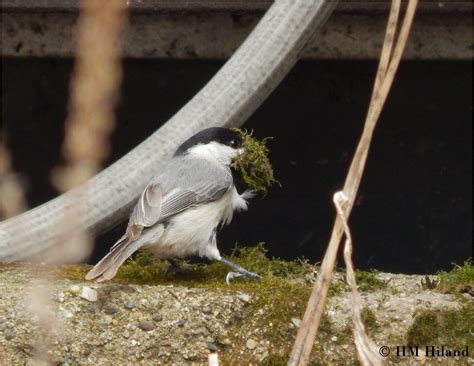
[{"x": 107, "y": 268}]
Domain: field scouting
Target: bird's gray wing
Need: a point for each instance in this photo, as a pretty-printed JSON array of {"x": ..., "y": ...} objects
[
  {"x": 182, "y": 199},
  {"x": 178, "y": 189},
  {"x": 148, "y": 209}
]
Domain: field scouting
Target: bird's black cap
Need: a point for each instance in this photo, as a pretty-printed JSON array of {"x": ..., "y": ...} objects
[{"x": 225, "y": 136}]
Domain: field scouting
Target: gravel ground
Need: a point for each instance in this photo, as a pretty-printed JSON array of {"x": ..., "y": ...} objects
[{"x": 103, "y": 324}]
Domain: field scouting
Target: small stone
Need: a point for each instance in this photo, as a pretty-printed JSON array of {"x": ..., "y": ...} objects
[
  {"x": 244, "y": 297},
  {"x": 129, "y": 305},
  {"x": 110, "y": 310},
  {"x": 296, "y": 322},
  {"x": 165, "y": 343},
  {"x": 181, "y": 322},
  {"x": 226, "y": 342},
  {"x": 61, "y": 297},
  {"x": 251, "y": 344},
  {"x": 144, "y": 302},
  {"x": 3, "y": 326},
  {"x": 75, "y": 289},
  {"x": 146, "y": 326},
  {"x": 157, "y": 318},
  {"x": 88, "y": 294},
  {"x": 9, "y": 334},
  {"x": 65, "y": 314},
  {"x": 263, "y": 355},
  {"x": 212, "y": 347},
  {"x": 107, "y": 319},
  {"x": 133, "y": 342},
  {"x": 69, "y": 360},
  {"x": 334, "y": 339},
  {"x": 126, "y": 333},
  {"x": 206, "y": 310},
  {"x": 87, "y": 350},
  {"x": 127, "y": 288}
]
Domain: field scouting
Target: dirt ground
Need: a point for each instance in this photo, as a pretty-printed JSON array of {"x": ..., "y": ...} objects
[{"x": 130, "y": 324}]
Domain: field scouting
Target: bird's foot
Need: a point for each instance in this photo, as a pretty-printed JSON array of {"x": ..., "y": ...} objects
[
  {"x": 239, "y": 272},
  {"x": 248, "y": 275}
]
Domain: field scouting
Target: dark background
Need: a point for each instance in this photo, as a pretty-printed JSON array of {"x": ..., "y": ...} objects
[{"x": 414, "y": 210}]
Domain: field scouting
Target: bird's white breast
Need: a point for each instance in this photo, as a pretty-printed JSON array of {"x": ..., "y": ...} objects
[{"x": 192, "y": 231}]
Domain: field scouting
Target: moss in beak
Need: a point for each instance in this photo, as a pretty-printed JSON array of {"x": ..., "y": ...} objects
[{"x": 253, "y": 164}]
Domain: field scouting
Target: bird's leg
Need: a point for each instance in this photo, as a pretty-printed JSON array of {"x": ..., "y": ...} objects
[
  {"x": 239, "y": 271},
  {"x": 174, "y": 267}
]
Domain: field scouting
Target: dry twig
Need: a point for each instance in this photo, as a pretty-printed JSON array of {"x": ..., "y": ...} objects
[{"x": 388, "y": 65}]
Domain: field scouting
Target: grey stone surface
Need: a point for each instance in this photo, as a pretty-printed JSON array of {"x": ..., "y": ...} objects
[
  {"x": 234, "y": 329},
  {"x": 217, "y": 35}
]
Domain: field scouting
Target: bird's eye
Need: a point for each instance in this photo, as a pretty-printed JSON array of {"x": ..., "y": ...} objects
[{"x": 233, "y": 143}]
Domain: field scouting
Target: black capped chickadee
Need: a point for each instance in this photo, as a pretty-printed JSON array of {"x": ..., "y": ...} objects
[{"x": 178, "y": 213}]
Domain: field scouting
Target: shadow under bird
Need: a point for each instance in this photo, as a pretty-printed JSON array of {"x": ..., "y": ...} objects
[{"x": 179, "y": 212}]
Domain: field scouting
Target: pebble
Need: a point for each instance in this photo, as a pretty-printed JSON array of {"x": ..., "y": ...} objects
[
  {"x": 88, "y": 294},
  {"x": 107, "y": 319},
  {"x": 129, "y": 305},
  {"x": 157, "y": 318},
  {"x": 110, "y": 310},
  {"x": 87, "y": 350},
  {"x": 244, "y": 297},
  {"x": 181, "y": 322},
  {"x": 226, "y": 342},
  {"x": 165, "y": 343},
  {"x": 334, "y": 339},
  {"x": 69, "y": 360},
  {"x": 206, "y": 310},
  {"x": 127, "y": 288},
  {"x": 146, "y": 326},
  {"x": 3, "y": 326},
  {"x": 65, "y": 314},
  {"x": 212, "y": 347},
  {"x": 251, "y": 344},
  {"x": 263, "y": 355},
  {"x": 75, "y": 289},
  {"x": 9, "y": 334},
  {"x": 144, "y": 302},
  {"x": 126, "y": 333},
  {"x": 296, "y": 322}
]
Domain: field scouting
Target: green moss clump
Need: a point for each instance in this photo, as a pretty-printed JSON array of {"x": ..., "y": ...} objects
[
  {"x": 368, "y": 281},
  {"x": 370, "y": 321},
  {"x": 438, "y": 327},
  {"x": 459, "y": 280},
  {"x": 253, "y": 164},
  {"x": 338, "y": 286}
]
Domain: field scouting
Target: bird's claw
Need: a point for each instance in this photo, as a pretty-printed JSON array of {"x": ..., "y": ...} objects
[{"x": 249, "y": 275}]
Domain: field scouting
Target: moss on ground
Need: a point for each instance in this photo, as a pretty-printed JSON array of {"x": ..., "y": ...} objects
[
  {"x": 459, "y": 280},
  {"x": 370, "y": 320},
  {"x": 282, "y": 292},
  {"x": 369, "y": 281},
  {"x": 280, "y": 295},
  {"x": 453, "y": 327}
]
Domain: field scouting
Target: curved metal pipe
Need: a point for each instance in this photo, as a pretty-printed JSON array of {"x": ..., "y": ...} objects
[{"x": 229, "y": 98}]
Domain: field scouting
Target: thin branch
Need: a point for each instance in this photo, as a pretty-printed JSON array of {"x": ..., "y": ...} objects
[{"x": 309, "y": 326}]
